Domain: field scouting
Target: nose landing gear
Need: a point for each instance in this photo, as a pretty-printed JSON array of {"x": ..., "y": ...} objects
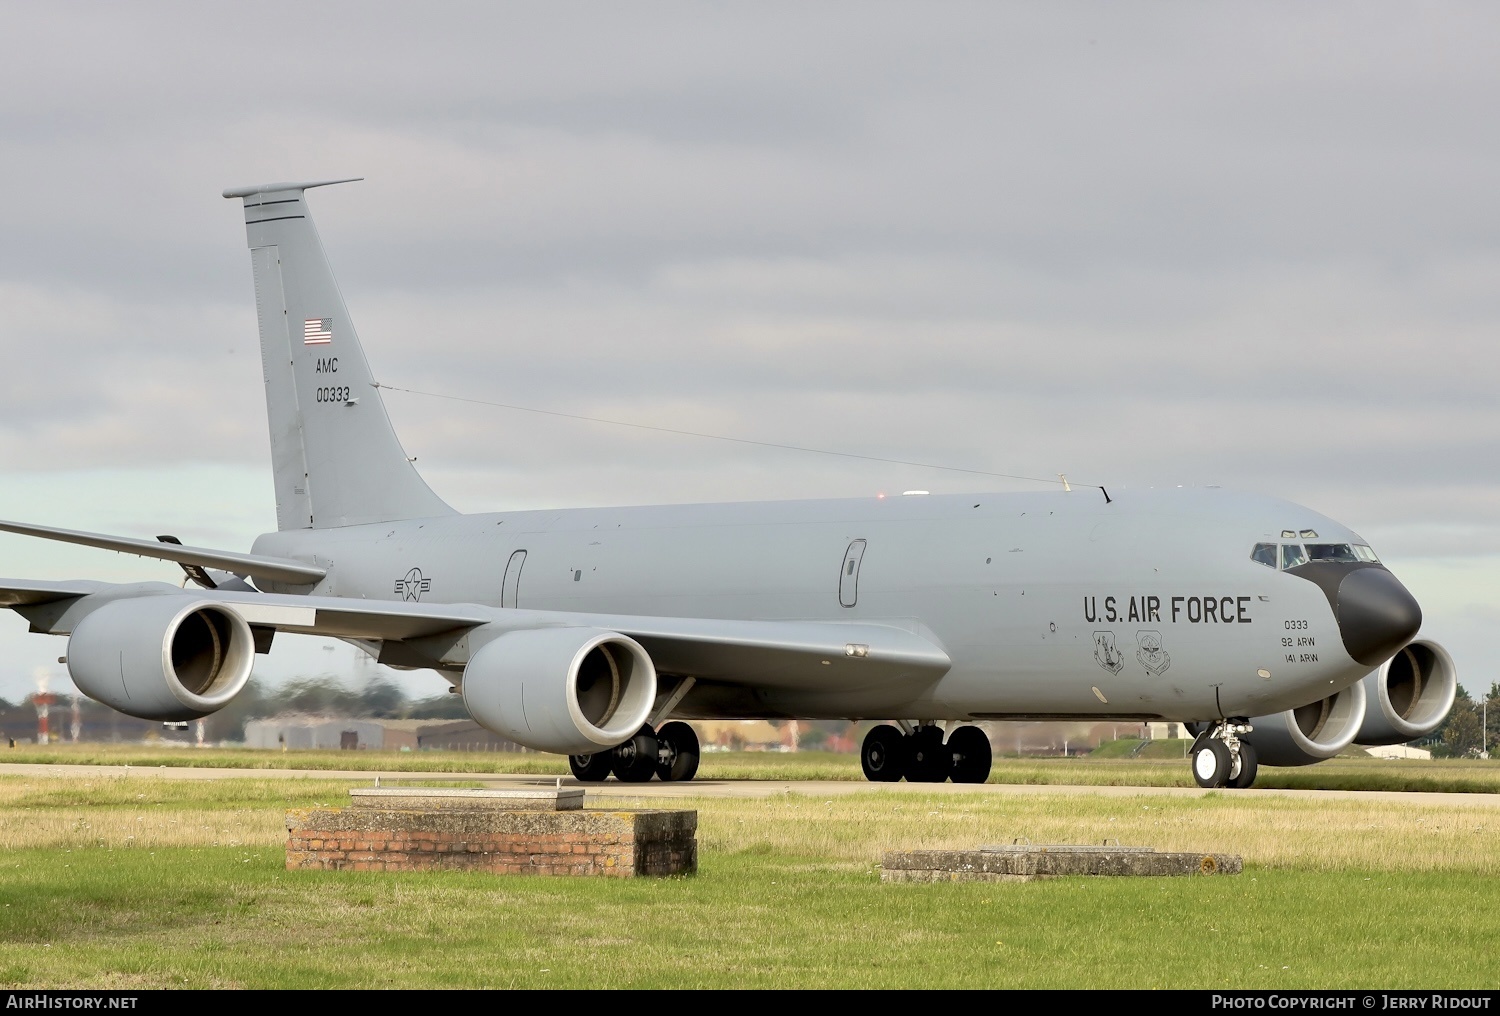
[
  {"x": 1221, "y": 758},
  {"x": 923, "y": 756}
]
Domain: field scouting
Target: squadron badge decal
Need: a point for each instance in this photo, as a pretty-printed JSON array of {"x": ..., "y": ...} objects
[
  {"x": 1152, "y": 656},
  {"x": 1106, "y": 654}
]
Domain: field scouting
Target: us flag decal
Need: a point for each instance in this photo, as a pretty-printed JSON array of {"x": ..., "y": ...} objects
[{"x": 317, "y": 331}]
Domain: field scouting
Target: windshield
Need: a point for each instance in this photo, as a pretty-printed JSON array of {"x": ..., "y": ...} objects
[
  {"x": 1294, "y": 555},
  {"x": 1339, "y": 553}
]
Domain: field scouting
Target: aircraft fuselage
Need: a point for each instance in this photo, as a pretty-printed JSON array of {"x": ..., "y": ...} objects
[{"x": 1049, "y": 604}]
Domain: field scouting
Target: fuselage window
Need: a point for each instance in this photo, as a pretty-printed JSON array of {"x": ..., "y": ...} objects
[
  {"x": 1264, "y": 553},
  {"x": 1292, "y": 555},
  {"x": 1337, "y": 553}
]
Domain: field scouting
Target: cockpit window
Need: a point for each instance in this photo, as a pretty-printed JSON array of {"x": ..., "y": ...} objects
[
  {"x": 1293, "y": 555},
  {"x": 1337, "y": 553}
]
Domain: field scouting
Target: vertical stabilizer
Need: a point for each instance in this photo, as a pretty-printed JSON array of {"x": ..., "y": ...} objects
[{"x": 336, "y": 458}]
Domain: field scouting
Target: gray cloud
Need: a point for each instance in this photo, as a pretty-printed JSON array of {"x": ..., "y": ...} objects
[{"x": 1152, "y": 245}]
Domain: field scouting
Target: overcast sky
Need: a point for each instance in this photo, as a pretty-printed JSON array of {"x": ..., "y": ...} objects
[{"x": 1144, "y": 244}]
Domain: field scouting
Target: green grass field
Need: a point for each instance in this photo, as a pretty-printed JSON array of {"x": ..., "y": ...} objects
[
  {"x": 1162, "y": 766},
  {"x": 140, "y": 882}
]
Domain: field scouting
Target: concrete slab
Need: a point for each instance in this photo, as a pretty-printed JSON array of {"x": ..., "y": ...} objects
[
  {"x": 1026, "y": 863},
  {"x": 554, "y": 798}
]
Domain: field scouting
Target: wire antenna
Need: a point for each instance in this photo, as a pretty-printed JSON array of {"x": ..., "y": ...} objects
[{"x": 735, "y": 440}]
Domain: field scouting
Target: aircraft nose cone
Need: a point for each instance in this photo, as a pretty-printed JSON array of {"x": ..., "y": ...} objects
[{"x": 1377, "y": 616}]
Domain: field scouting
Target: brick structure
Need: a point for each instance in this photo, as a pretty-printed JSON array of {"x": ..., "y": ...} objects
[
  {"x": 403, "y": 834},
  {"x": 1025, "y": 864}
]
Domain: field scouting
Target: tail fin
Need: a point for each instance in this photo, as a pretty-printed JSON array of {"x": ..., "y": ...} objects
[{"x": 336, "y": 459}]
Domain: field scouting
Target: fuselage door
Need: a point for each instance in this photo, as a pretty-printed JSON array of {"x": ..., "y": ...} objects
[
  {"x": 849, "y": 574},
  {"x": 510, "y": 588}
]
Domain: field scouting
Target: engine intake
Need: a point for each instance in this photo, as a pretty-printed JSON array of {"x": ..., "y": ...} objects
[
  {"x": 1310, "y": 733},
  {"x": 567, "y": 690},
  {"x": 1410, "y": 695},
  {"x": 162, "y": 657}
]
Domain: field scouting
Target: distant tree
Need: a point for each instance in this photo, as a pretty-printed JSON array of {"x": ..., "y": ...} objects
[
  {"x": 326, "y": 695},
  {"x": 812, "y": 739},
  {"x": 228, "y": 724},
  {"x": 317, "y": 696},
  {"x": 382, "y": 699},
  {"x": 1461, "y": 734},
  {"x": 437, "y": 707},
  {"x": 1491, "y": 716}
]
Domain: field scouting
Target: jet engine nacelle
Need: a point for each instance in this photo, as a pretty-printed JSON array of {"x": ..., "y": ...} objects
[
  {"x": 1310, "y": 733},
  {"x": 1410, "y": 695},
  {"x": 162, "y": 657},
  {"x": 573, "y": 691}
]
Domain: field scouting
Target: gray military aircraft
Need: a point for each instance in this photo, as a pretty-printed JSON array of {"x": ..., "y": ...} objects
[{"x": 593, "y": 632}]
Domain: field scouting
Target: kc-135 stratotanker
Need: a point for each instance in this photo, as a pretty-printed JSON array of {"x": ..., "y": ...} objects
[{"x": 595, "y": 632}]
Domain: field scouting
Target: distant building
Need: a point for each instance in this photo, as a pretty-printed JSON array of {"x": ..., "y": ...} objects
[
  {"x": 90, "y": 722},
  {"x": 299, "y": 732},
  {"x": 1398, "y": 751},
  {"x": 744, "y": 735},
  {"x": 302, "y": 732},
  {"x": 1168, "y": 731},
  {"x": 459, "y": 735}
]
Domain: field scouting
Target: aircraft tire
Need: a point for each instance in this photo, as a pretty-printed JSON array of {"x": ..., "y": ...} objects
[
  {"x": 1211, "y": 761},
  {"x": 593, "y": 768},
  {"x": 1244, "y": 773},
  {"x": 1198, "y": 740},
  {"x": 635, "y": 760},
  {"x": 927, "y": 760},
  {"x": 678, "y": 752},
  {"x": 883, "y": 755},
  {"x": 969, "y": 748}
]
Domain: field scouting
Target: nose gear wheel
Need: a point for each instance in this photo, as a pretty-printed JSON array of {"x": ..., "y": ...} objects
[{"x": 1220, "y": 757}]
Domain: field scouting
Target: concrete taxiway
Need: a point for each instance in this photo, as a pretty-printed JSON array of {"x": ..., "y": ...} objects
[{"x": 725, "y": 788}]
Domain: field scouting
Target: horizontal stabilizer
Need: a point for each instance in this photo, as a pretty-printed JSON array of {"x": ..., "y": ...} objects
[
  {"x": 274, "y": 569},
  {"x": 267, "y": 188}
]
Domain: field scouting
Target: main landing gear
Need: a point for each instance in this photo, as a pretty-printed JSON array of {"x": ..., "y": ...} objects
[
  {"x": 922, "y": 756},
  {"x": 670, "y": 754},
  {"x": 1221, "y": 758}
]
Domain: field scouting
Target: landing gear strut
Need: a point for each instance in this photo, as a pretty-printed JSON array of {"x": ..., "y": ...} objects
[
  {"x": 922, "y": 756},
  {"x": 1221, "y": 758}
]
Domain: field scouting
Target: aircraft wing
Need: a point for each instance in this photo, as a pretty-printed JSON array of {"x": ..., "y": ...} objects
[
  {"x": 764, "y": 653},
  {"x": 28, "y": 592},
  {"x": 782, "y": 654},
  {"x": 274, "y": 569}
]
